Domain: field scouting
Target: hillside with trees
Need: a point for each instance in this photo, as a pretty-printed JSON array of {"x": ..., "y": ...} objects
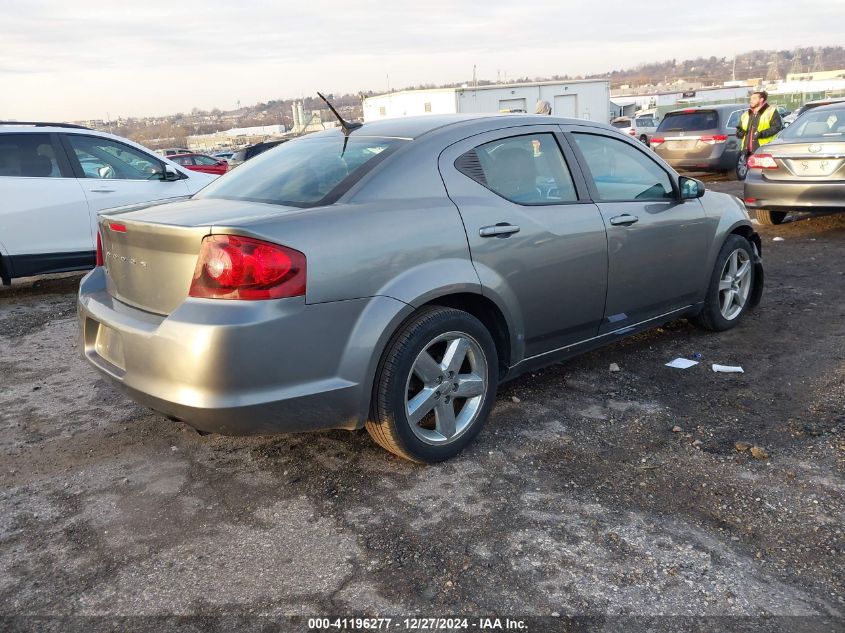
[{"x": 157, "y": 132}]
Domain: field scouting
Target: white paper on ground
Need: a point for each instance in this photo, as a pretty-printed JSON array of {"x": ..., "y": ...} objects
[
  {"x": 682, "y": 363},
  {"x": 778, "y": 239},
  {"x": 727, "y": 369}
]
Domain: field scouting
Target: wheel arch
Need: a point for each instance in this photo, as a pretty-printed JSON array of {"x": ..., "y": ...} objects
[
  {"x": 481, "y": 307},
  {"x": 485, "y": 310},
  {"x": 751, "y": 235}
]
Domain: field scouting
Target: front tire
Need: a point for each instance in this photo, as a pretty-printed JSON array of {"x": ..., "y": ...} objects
[
  {"x": 769, "y": 218},
  {"x": 731, "y": 286},
  {"x": 435, "y": 387}
]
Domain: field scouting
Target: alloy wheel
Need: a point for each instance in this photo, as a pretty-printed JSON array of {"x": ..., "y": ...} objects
[
  {"x": 446, "y": 388},
  {"x": 735, "y": 284}
]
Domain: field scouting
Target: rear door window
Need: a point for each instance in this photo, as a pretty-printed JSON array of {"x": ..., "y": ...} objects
[
  {"x": 28, "y": 156},
  {"x": 690, "y": 121},
  {"x": 528, "y": 170},
  {"x": 204, "y": 160},
  {"x": 733, "y": 119},
  {"x": 621, "y": 172}
]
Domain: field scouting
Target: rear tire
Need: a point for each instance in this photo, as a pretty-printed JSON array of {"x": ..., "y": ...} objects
[
  {"x": 741, "y": 169},
  {"x": 435, "y": 387},
  {"x": 769, "y": 218},
  {"x": 729, "y": 294}
]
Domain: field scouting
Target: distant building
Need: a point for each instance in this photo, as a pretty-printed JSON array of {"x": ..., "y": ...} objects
[
  {"x": 820, "y": 75},
  {"x": 583, "y": 99},
  {"x": 626, "y": 104}
]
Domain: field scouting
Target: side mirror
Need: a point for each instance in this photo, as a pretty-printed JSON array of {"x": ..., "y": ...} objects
[
  {"x": 691, "y": 188},
  {"x": 170, "y": 174}
]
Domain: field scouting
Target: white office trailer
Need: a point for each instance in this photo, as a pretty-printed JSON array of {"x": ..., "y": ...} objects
[{"x": 581, "y": 99}]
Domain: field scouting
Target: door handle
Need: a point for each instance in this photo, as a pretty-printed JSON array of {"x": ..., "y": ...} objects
[
  {"x": 499, "y": 230},
  {"x": 626, "y": 219},
  {"x": 101, "y": 190}
]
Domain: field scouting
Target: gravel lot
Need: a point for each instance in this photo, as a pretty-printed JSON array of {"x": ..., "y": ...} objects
[{"x": 578, "y": 498}]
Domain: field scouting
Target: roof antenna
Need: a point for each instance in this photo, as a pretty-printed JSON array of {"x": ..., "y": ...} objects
[{"x": 345, "y": 125}]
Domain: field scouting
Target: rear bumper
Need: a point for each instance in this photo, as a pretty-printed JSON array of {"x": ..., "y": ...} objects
[
  {"x": 723, "y": 162},
  {"x": 792, "y": 196},
  {"x": 240, "y": 367}
]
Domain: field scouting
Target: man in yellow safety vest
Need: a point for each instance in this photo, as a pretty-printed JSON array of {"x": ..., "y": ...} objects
[{"x": 759, "y": 124}]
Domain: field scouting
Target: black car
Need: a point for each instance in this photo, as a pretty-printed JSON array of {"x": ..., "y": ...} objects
[{"x": 243, "y": 155}]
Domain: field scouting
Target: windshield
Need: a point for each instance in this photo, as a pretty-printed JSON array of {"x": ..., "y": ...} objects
[
  {"x": 817, "y": 125},
  {"x": 690, "y": 121},
  {"x": 621, "y": 123},
  {"x": 307, "y": 172}
]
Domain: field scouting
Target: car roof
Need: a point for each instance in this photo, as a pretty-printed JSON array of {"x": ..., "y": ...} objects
[
  {"x": 416, "y": 126},
  {"x": 720, "y": 107},
  {"x": 836, "y": 105}
]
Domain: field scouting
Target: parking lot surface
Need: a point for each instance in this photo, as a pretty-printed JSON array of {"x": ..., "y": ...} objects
[{"x": 578, "y": 497}]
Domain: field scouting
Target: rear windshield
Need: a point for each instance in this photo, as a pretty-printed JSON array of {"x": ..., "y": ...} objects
[
  {"x": 694, "y": 121},
  {"x": 622, "y": 123},
  {"x": 645, "y": 122},
  {"x": 817, "y": 125},
  {"x": 307, "y": 172}
]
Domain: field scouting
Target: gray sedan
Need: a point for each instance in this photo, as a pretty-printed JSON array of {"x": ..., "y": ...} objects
[
  {"x": 803, "y": 169},
  {"x": 393, "y": 276}
]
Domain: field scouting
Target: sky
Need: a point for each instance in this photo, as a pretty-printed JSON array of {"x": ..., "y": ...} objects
[{"x": 84, "y": 59}]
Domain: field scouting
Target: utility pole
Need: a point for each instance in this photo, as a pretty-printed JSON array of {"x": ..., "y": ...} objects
[
  {"x": 474, "y": 78},
  {"x": 818, "y": 62}
]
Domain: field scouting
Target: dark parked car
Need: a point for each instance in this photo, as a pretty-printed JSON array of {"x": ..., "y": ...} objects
[
  {"x": 803, "y": 169},
  {"x": 391, "y": 277},
  {"x": 701, "y": 139},
  {"x": 243, "y": 155}
]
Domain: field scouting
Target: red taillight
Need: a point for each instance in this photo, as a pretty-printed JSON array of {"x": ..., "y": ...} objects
[
  {"x": 655, "y": 141},
  {"x": 632, "y": 132},
  {"x": 761, "y": 161},
  {"x": 712, "y": 139},
  {"x": 689, "y": 110},
  {"x": 99, "y": 261},
  {"x": 117, "y": 227},
  {"x": 234, "y": 267},
  {"x": 750, "y": 200}
]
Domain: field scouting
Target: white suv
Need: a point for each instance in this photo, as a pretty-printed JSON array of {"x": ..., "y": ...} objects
[
  {"x": 640, "y": 126},
  {"x": 54, "y": 180}
]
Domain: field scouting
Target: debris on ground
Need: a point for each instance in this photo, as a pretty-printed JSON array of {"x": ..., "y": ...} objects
[
  {"x": 727, "y": 369},
  {"x": 778, "y": 239},
  {"x": 676, "y": 429},
  {"x": 515, "y": 400},
  {"x": 682, "y": 363},
  {"x": 759, "y": 453},
  {"x": 614, "y": 368},
  {"x": 742, "y": 447}
]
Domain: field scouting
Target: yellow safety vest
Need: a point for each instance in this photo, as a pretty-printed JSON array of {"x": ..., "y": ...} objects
[{"x": 764, "y": 123}]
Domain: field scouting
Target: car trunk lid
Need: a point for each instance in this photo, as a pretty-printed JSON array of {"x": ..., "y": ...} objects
[
  {"x": 150, "y": 251},
  {"x": 823, "y": 161}
]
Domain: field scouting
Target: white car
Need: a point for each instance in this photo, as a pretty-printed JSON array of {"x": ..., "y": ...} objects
[
  {"x": 54, "y": 180},
  {"x": 640, "y": 126}
]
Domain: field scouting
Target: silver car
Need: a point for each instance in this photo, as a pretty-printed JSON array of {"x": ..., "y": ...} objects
[{"x": 392, "y": 277}]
